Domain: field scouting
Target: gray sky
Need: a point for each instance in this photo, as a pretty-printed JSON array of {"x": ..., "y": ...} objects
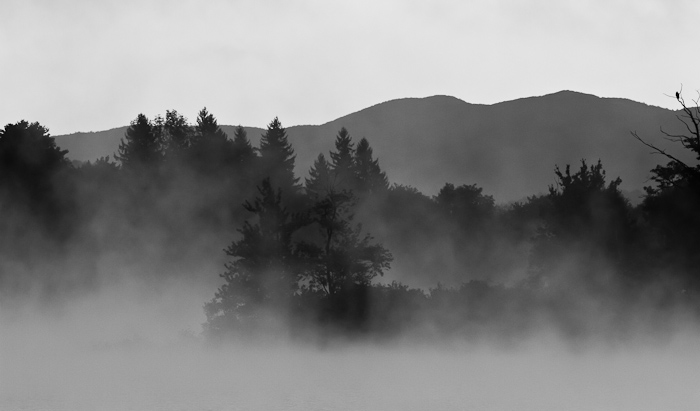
[{"x": 82, "y": 65}]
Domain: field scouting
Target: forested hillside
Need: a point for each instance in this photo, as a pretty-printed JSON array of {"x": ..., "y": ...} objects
[
  {"x": 508, "y": 148},
  {"x": 344, "y": 246}
]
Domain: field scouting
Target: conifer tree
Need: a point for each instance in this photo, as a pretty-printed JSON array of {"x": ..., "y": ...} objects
[
  {"x": 277, "y": 159},
  {"x": 243, "y": 151},
  {"x": 244, "y": 162},
  {"x": 207, "y": 129},
  {"x": 320, "y": 181},
  {"x": 211, "y": 152},
  {"x": 141, "y": 146},
  {"x": 370, "y": 178},
  {"x": 342, "y": 161}
]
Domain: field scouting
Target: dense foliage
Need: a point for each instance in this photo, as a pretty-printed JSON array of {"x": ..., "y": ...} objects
[{"x": 303, "y": 253}]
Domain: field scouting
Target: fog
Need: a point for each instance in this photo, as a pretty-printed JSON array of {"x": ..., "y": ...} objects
[
  {"x": 125, "y": 347},
  {"x": 200, "y": 275}
]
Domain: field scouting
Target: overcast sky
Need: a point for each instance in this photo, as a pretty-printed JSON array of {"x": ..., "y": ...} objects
[{"x": 82, "y": 65}]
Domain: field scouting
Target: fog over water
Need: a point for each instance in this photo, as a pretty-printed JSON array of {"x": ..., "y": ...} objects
[
  {"x": 118, "y": 350},
  {"x": 199, "y": 273}
]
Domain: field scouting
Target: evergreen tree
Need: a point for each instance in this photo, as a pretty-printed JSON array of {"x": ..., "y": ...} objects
[
  {"x": 207, "y": 129},
  {"x": 320, "y": 181},
  {"x": 212, "y": 151},
  {"x": 141, "y": 146},
  {"x": 277, "y": 159},
  {"x": 244, "y": 163},
  {"x": 369, "y": 176},
  {"x": 244, "y": 153},
  {"x": 343, "y": 162}
]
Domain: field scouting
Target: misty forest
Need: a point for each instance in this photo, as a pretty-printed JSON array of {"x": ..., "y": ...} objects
[{"x": 309, "y": 253}]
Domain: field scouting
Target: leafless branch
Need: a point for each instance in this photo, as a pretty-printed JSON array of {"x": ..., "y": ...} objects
[{"x": 658, "y": 150}]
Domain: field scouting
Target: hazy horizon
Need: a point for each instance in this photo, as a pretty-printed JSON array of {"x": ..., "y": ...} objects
[
  {"x": 672, "y": 106},
  {"x": 75, "y": 65}
]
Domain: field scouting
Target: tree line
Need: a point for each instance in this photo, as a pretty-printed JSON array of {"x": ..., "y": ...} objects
[{"x": 302, "y": 251}]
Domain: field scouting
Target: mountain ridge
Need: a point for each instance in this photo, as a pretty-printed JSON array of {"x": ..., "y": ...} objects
[{"x": 509, "y": 148}]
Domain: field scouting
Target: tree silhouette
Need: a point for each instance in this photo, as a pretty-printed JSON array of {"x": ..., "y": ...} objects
[
  {"x": 343, "y": 162},
  {"x": 585, "y": 208},
  {"x": 176, "y": 133},
  {"x": 320, "y": 181},
  {"x": 141, "y": 146},
  {"x": 465, "y": 205},
  {"x": 587, "y": 221},
  {"x": 207, "y": 128},
  {"x": 28, "y": 158},
  {"x": 670, "y": 208},
  {"x": 244, "y": 161},
  {"x": 33, "y": 171},
  {"x": 243, "y": 152},
  {"x": 211, "y": 152},
  {"x": 370, "y": 178},
  {"x": 678, "y": 173},
  {"x": 262, "y": 273},
  {"x": 277, "y": 159},
  {"x": 342, "y": 257}
]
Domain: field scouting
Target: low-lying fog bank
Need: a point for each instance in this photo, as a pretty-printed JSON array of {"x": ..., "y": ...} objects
[{"x": 121, "y": 351}]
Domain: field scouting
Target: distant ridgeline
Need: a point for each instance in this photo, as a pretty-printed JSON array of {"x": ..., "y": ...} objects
[
  {"x": 339, "y": 250},
  {"x": 509, "y": 148}
]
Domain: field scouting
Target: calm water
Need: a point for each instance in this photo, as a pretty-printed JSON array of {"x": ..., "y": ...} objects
[
  {"x": 543, "y": 376},
  {"x": 114, "y": 353}
]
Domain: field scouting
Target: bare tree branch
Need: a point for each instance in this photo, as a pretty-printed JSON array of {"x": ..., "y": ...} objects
[
  {"x": 660, "y": 151},
  {"x": 694, "y": 118}
]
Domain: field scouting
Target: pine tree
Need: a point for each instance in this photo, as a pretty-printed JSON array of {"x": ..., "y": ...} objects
[
  {"x": 207, "y": 129},
  {"x": 320, "y": 182},
  {"x": 370, "y": 178},
  {"x": 277, "y": 159},
  {"x": 211, "y": 152},
  {"x": 244, "y": 163},
  {"x": 141, "y": 146},
  {"x": 342, "y": 161},
  {"x": 244, "y": 153}
]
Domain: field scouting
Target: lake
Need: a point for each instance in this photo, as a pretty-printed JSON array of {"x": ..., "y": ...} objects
[{"x": 187, "y": 375}]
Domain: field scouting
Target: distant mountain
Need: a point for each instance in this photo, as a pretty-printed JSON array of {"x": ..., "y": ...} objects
[{"x": 510, "y": 148}]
